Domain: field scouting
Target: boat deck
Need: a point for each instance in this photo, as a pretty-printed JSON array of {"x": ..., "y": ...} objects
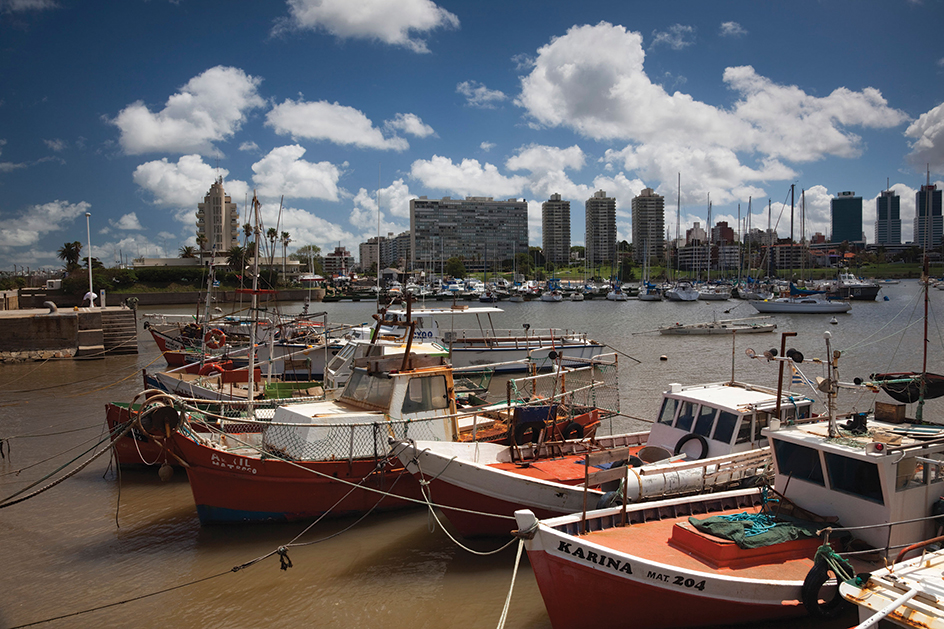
[{"x": 673, "y": 541}]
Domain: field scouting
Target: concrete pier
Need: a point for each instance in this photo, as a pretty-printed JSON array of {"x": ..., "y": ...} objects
[{"x": 41, "y": 334}]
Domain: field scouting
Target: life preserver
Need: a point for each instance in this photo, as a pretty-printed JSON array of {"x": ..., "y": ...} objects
[
  {"x": 211, "y": 368},
  {"x": 690, "y": 436},
  {"x": 573, "y": 430},
  {"x": 809, "y": 594},
  {"x": 215, "y": 338},
  {"x": 528, "y": 432}
]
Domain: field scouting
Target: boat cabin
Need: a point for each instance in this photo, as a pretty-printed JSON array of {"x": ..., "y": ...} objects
[
  {"x": 379, "y": 390},
  {"x": 878, "y": 474},
  {"x": 709, "y": 420}
]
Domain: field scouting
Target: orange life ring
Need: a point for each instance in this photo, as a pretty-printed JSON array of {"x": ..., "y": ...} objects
[
  {"x": 210, "y": 369},
  {"x": 215, "y": 338}
]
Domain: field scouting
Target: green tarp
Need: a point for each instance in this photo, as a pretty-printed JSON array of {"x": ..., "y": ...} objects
[{"x": 754, "y": 530}]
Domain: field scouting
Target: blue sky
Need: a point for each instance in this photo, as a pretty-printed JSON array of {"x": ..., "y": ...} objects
[{"x": 129, "y": 110}]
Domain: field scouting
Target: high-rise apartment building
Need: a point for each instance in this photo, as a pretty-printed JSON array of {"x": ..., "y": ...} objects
[
  {"x": 648, "y": 227},
  {"x": 888, "y": 218},
  {"x": 928, "y": 224},
  {"x": 217, "y": 220},
  {"x": 601, "y": 228},
  {"x": 481, "y": 230},
  {"x": 555, "y": 229},
  {"x": 846, "y": 211}
]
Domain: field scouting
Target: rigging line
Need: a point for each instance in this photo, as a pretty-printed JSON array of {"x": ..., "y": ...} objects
[
  {"x": 66, "y": 384},
  {"x": 55, "y": 456},
  {"x": 127, "y": 600},
  {"x": 108, "y": 386},
  {"x": 53, "y": 434},
  {"x": 28, "y": 373},
  {"x": 6, "y": 502},
  {"x": 914, "y": 303}
]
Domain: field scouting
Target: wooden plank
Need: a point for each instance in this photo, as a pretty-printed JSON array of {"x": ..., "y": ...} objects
[
  {"x": 598, "y": 478},
  {"x": 757, "y": 455},
  {"x": 608, "y": 456}
]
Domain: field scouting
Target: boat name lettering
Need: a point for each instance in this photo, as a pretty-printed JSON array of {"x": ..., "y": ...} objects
[
  {"x": 236, "y": 463},
  {"x": 423, "y": 334},
  {"x": 598, "y": 558},
  {"x": 676, "y": 580}
]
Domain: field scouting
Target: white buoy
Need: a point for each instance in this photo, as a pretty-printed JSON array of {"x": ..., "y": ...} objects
[{"x": 834, "y": 321}]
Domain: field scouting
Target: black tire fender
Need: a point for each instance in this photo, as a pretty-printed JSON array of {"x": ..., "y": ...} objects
[
  {"x": 526, "y": 432},
  {"x": 689, "y": 437},
  {"x": 573, "y": 430},
  {"x": 812, "y": 584}
]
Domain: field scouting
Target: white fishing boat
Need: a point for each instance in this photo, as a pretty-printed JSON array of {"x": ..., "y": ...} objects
[
  {"x": 750, "y": 325},
  {"x": 682, "y": 291},
  {"x": 617, "y": 294},
  {"x": 732, "y": 558},
  {"x": 507, "y": 349},
  {"x": 714, "y": 293},
  {"x": 707, "y": 437},
  {"x": 801, "y": 305}
]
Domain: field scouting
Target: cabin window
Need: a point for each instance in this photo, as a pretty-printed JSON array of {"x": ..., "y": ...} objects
[
  {"x": 705, "y": 421},
  {"x": 744, "y": 431},
  {"x": 803, "y": 412},
  {"x": 686, "y": 416},
  {"x": 727, "y": 421},
  {"x": 668, "y": 411},
  {"x": 788, "y": 415},
  {"x": 911, "y": 473},
  {"x": 798, "y": 462},
  {"x": 426, "y": 394},
  {"x": 339, "y": 359},
  {"x": 852, "y": 476},
  {"x": 374, "y": 390},
  {"x": 763, "y": 418}
]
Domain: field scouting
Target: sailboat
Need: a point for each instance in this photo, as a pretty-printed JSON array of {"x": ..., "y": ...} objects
[
  {"x": 681, "y": 291},
  {"x": 648, "y": 291}
]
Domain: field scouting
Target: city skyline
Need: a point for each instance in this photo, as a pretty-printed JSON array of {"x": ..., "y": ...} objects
[{"x": 331, "y": 109}]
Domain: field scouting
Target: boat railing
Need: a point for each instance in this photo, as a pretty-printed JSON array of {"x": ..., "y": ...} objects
[{"x": 512, "y": 337}]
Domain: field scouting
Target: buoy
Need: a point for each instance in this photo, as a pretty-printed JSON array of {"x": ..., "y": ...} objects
[
  {"x": 663, "y": 357},
  {"x": 834, "y": 321},
  {"x": 165, "y": 472}
]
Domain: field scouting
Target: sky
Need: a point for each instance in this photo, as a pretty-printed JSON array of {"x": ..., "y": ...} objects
[{"x": 325, "y": 109}]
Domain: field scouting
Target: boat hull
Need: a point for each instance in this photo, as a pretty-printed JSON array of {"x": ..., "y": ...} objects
[
  {"x": 705, "y": 329},
  {"x": 230, "y": 488},
  {"x": 538, "y": 353},
  {"x": 801, "y": 306}
]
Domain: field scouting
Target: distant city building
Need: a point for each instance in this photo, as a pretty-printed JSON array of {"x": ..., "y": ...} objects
[
  {"x": 389, "y": 248},
  {"x": 648, "y": 227},
  {"x": 696, "y": 235},
  {"x": 888, "y": 218},
  {"x": 846, "y": 212},
  {"x": 555, "y": 229},
  {"x": 600, "y": 228},
  {"x": 338, "y": 262},
  {"x": 818, "y": 239},
  {"x": 721, "y": 234},
  {"x": 477, "y": 229},
  {"x": 928, "y": 230},
  {"x": 217, "y": 220}
]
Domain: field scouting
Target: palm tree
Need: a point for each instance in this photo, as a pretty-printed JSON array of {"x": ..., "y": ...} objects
[
  {"x": 234, "y": 258},
  {"x": 272, "y": 234},
  {"x": 187, "y": 252},
  {"x": 285, "y": 240},
  {"x": 247, "y": 229},
  {"x": 70, "y": 253}
]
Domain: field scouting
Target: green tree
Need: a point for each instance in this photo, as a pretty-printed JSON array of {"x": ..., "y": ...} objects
[
  {"x": 187, "y": 252},
  {"x": 272, "y": 234},
  {"x": 455, "y": 267},
  {"x": 285, "y": 239},
  {"x": 70, "y": 253},
  {"x": 235, "y": 258},
  {"x": 247, "y": 229}
]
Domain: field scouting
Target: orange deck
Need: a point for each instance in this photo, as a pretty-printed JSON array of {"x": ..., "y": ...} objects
[
  {"x": 652, "y": 541},
  {"x": 568, "y": 469}
]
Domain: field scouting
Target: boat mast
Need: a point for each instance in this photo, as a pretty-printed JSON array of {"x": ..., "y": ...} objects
[
  {"x": 251, "y": 370},
  {"x": 678, "y": 218},
  {"x": 925, "y": 278}
]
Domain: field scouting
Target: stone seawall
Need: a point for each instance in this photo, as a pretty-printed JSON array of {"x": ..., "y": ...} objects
[
  {"x": 36, "y": 298},
  {"x": 37, "y": 334}
]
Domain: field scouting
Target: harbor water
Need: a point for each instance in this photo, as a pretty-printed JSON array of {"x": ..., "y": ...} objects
[{"x": 120, "y": 549}]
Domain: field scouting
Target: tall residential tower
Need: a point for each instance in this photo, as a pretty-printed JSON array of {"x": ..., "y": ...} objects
[
  {"x": 217, "y": 220},
  {"x": 601, "y": 228},
  {"x": 555, "y": 229},
  {"x": 888, "y": 218},
  {"x": 648, "y": 227}
]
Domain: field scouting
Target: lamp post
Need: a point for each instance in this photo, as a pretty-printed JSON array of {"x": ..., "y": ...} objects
[{"x": 88, "y": 233}]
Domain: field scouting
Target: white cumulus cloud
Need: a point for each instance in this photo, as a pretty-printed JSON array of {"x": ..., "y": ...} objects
[
  {"x": 467, "y": 178},
  {"x": 333, "y": 122},
  {"x": 27, "y": 228},
  {"x": 284, "y": 172},
  {"x": 184, "y": 183},
  {"x": 128, "y": 222},
  {"x": 927, "y": 146},
  {"x": 395, "y": 22},
  {"x": 477, "y": 95},
  {"x": 732, "y": 29},
  {"x": 411, "y": 124},
  {"x": 209, "y": 108}
]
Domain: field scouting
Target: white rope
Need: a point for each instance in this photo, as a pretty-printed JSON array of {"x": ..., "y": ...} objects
[{"x": 511, "y": 588}]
